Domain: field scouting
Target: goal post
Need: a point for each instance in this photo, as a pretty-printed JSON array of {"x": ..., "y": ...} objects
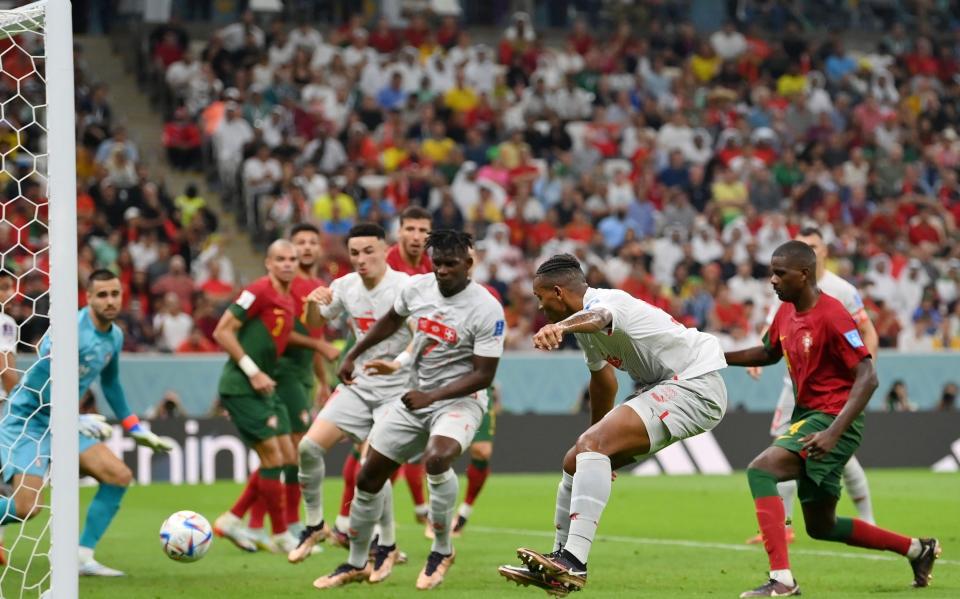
[{"x": 65, "y": 401}]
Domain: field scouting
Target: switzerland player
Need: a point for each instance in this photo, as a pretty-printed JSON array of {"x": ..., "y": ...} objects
[
  {"x": 833, "y": 378},
  {"x": 255, "y": 331}
]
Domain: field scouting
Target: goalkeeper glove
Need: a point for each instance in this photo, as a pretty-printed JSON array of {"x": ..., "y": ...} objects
[
  {"x": 95, "y": 426},
  {"x": 144, "y": 437}
]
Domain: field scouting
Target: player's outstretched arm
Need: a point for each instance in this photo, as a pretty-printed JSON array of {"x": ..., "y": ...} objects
[
  {"x": 864, "y": 384},
  {"x": 755, "y": 356},
  {"x": 603, "y": 392},
  {"x": 586, "y": 321},
  {"x": 113, "y": 393},
  {"x": 481, "y": 377},
  {"x": 321, "y": 296},
  {"x": 386, "y": 325}
]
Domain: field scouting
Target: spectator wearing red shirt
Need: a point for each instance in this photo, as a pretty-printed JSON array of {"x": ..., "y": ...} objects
[
  {"x": 182, "y": 140},
  {"x": 448, "y": 33},
  {"x": 922, "y": 61},
  {"x": 177, "y": 281},
  {"x": 580, "y": 37},
  {"x": 382, "y": 38},
  {"x": 215, "y": 289},
  {"x": 167, "y": 51},
  {"x": 196, "y": 343},
  {"x": 410, "y": 255}
]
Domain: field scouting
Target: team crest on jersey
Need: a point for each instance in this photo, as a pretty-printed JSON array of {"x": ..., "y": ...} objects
[
  {"x": 806, "y": 341},
  {"x": 614, "y": 361}
]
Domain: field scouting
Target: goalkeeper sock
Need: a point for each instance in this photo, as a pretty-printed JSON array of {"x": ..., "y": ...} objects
[
  {"x": 312, "y": 472},
  {"x": 249, "y": 495},
  {"x": 477, "y": 473},
  {"x": 562, "y": 515},
  {"x": 350, "y": 469},
  {"x": 271, "y": 489},
  {"x": 771, "y": 517},
  {"x": 363, "y": 518},
  {"x": 591, "y": 491},
  {"x": 444, "y": 489},
  {"x": 100, "y": 513},
  {"x": 291, "y": 487}
]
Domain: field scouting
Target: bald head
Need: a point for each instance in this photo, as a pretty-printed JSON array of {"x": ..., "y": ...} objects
[
  {"x": 281, "y": 261},
  {"x": 280, "y": 245}
]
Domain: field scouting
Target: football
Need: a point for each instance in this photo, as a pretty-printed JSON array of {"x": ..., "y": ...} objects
[{"x": 186, "y": 536}]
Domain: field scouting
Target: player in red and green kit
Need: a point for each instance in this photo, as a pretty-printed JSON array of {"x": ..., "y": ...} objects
[
  {"x": 255, "y": 331},
  {"x": 833, "y": 379},
  {"x": 297, "y": 373}
]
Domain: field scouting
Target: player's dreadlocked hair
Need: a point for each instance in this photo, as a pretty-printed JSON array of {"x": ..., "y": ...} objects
[
  {"x": 562, "y": 269},
  {"x": 448, "y": 240}
]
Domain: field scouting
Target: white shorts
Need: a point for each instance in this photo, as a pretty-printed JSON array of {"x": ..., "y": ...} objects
[
  {"x": 677, "y": 410},
  {"x": 784, "y": 411},
  {"x": 352, "y": 414},
  {"x": 402, "y": 435}
]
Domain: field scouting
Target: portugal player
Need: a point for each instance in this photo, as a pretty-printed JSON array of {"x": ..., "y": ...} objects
[
  {"x": 255, "y": 331},
  {"x": 833, "y": 377}
]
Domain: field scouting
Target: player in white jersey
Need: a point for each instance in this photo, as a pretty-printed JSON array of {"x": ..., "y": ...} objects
[
  {"x": 681, "y": 395},
  {"x": 361, "y": 297},
  {"x": 854, "y": 478},
  {"x": 9, "y": 375},
  {"x": 457, "y": 346}
]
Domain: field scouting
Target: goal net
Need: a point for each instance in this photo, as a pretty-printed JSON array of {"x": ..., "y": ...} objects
[{"x": 38, "y": 296}]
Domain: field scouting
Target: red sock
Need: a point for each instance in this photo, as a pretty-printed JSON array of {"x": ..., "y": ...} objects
[
  {"x": 257, "y": 513},
  {"x": 475, "y": 479},
  {"x": 271, "y": 489},
  {"x": 248, "y": 497},
  {"x": 351, "y": 466},
  {"x": 771, "y": 517},
  {"x": 415, "y": 473},
  {"x": 873, "y": 537},
  {"x": 292, "y": 501}
]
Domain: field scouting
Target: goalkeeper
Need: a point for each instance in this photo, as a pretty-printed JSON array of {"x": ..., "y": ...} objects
[{"x": 25, "y": 432}]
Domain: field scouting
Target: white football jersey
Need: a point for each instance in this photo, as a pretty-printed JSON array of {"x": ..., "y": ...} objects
[
  {"x": 646, "y": 342},
  {"x": 450, "y": 330},
  {"x": 362, "y": 307}
]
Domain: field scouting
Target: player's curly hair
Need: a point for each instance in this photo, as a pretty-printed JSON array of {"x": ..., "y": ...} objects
[
  {"x": 562, "y": 269},
  {"x": 448, "y": 240}
]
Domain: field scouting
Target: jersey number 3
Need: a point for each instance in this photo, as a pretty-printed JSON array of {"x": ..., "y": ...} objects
[{"x": 278, "y": 323}]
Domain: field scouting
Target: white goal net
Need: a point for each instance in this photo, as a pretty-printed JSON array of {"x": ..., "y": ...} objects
[{"x": 37, "y": 204}]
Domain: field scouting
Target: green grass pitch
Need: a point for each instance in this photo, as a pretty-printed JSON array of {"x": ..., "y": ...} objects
[{"x": 660, "y": 537}]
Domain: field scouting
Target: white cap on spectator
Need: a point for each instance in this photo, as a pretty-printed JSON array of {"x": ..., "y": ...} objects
[
  {"x": 131, "y": 213},
  {"x": 231, "y": 93}
]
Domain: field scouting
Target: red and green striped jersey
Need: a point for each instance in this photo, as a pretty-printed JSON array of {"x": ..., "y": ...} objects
[{"x": 267, "y": 316}]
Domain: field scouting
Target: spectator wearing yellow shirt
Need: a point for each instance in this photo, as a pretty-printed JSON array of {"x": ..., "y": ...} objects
[
  {"x": 730, "y": 195},
  {"x": 705, "y": 63},
  {"x": 460, "y": 97},
  {"x": 438, "y": 146},
  {"x": 190, "y": 203},
  {"x": 792, "y": 82},
  {"x": 323, "y": 205}
]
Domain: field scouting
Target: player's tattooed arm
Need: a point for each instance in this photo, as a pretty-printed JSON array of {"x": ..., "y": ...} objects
[{"x": 585, "y": 321}]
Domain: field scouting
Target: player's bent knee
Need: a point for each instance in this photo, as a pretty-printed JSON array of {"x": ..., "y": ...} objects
[
  {"x": 482, "y": 450},
  {"x": 26, "y": 504},
  {"x": 370, "y": 481},
  {"x": 570, "y": 461},
  {"x": 437, "y": 462},
  {"x": 821, "y": 531},
  {"x": 122, "y": 476}
]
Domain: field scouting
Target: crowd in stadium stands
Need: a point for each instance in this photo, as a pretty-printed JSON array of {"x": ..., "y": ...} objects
[{"x": 671, "y": 163}]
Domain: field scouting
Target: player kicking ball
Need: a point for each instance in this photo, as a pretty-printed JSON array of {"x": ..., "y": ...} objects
[
  {"x": 457, "y": 346},
  {"x": 361, "y": 297},
  {"x": 834, "y": 377},
  {"x": 682, "y": 395}
]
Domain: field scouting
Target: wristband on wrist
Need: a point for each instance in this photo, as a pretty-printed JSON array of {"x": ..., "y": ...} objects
[
  {"x": 131, "y": 423},
  {"x": 248, "y": 366},
  {"x": 403, "y": 358}
]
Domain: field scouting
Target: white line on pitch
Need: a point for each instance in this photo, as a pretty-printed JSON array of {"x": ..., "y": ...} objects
[{"x": 698, "y": 544}]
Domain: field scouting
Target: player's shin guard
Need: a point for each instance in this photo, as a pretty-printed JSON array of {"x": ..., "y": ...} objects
[
  {"x": 388, "y": 528},
  {"x": 100, "y": 513},
  {"x": 477, "y": 473},
  {"x": 248, "y": 497},
  {"x": 590, "y": 493},
  {"x": 351, "y": 467},
  {"x": 562, "y": 516},
  {"x": 311, "y": 475},
  {"x": 855, "y": 480},
  {"x": 770, "y": 516},
  {"x": 364, "y": 515},
  {"x": 863, "y": 534},
  {"x": 788, "y": 493},
  {"x": 444, "y": 489},
  {"x": 291, "y": 488},
  {"x": 271, "y": 489}
]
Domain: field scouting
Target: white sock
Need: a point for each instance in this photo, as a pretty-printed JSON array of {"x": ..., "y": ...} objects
[
  {"x": 915, "y": 549},
  {"x": 465, "y": 510},
  {"x": 855, "y": 480},
  {"x": 591, "y": 491},
  {"x": 312, "y": 472},
  {"x": 342, "y": 523},
  {"x": 85, "y": 554},
  {"x": 444, "y": 489},
  {"x": 788, "y": 492},
  {"x": 561, "y": 519},
  {"x": 784, "y": 576},
  {"x": 387, "y": 526},
  {"x": 364, "y": 514},
  {"x": 421, "y": 509}
]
